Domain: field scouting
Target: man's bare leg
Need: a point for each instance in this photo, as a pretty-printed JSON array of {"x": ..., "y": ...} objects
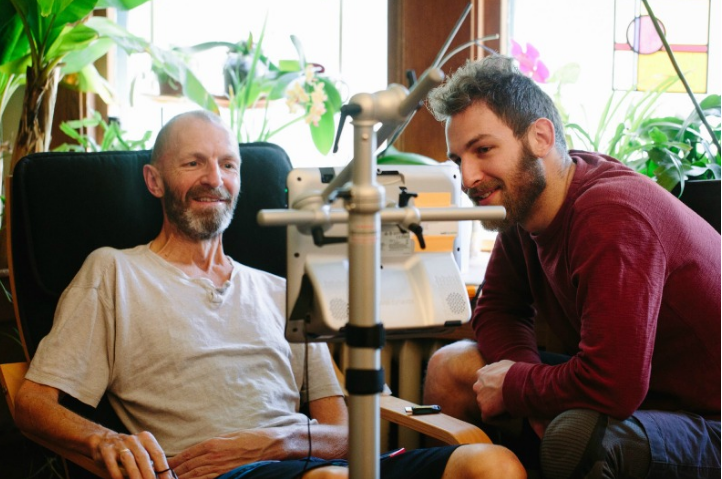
[
  {"x": 327, "y": 472},
  {"x": 471, "y": 461},
  {"x": 450, "y": 375},
  {"x": 483, "y": 461}
]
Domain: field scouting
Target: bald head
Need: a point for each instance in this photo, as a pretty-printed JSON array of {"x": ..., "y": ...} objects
[{"x": 164, "y": 142}]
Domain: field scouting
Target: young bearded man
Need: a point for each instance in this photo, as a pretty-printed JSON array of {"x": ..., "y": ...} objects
[{"x": 624, "y": 274}]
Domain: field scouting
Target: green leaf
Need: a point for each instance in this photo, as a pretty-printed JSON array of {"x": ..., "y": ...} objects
[
  {"x": 76, "y": 60},
  {"x": 77, "y": 41},
  {"x": 658, "y": 136},
  {"x": 323, "y": 134},
  {"x": 121, "y": 4},
  {"x": 667, "y": 178},
  {"x": 396, "y": 157},
  {"x": 334, "y": 97},
  {"x": 71, "y": 11},
  {"x": 63, "y": 14},
  {"x": 13, "y": 41},
  {"x": 126, "y": 40},
  {"x": 569, "y": 73},
  {"x": 290, "y": 66},
  {"x": 581, "y": 133},
  {"x": 90, "y": 80},
  {"x": 195, "y": 91},
  {"x": 712, "y": 103},
  {"x": 281, "y": 85},
  {"x": 201, "y": 47},
  {"x": 715, "y": 170},
  {"x": 17, "y": 66},
  {"x": 299, "y": 49}
]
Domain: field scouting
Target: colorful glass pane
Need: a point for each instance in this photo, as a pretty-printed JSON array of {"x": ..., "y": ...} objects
[{"x": 640, "y": 60}]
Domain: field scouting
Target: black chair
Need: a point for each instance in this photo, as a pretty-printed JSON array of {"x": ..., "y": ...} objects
[
  {"x": 84, "y": 201},
  {"x": 65, "y": 205}
]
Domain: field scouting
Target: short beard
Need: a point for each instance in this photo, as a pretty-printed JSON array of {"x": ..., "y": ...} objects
[
  {"x": 521, "y": 193},
  {"x": 198, "y": 226}
]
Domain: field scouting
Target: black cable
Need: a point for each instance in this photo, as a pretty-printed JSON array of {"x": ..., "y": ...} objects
[{"x": 305, "y": 398}]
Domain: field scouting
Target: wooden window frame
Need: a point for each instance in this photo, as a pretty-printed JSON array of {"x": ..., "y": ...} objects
[{"x": 417, "y": 30}]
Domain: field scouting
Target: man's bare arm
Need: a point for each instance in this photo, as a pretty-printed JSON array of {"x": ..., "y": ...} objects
[{"x": 38, "y": 412}]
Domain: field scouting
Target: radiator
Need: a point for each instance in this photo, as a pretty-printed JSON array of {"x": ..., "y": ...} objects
[{"x": 404, "y": 363}]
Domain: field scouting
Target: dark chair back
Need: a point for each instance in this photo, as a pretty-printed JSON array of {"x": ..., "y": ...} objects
[{"x": 65, "y": 205}]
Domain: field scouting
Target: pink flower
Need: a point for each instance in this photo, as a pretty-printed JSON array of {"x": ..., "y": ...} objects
[{"x": 529, "y": 63}]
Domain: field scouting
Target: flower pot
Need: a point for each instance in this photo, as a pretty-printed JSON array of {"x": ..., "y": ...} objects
[
  {"x": 703, "y": 196},
  {"x": 237, "y": 67},
  {"x": 168, "y": 86}
]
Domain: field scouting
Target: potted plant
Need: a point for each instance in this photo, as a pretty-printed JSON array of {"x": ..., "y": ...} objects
[
  {"x": 47, "y": 41},
  {"x": 671, "y": 150},
  {"x": 114, "y": 137},
  {"x": 256, "y": 81}
]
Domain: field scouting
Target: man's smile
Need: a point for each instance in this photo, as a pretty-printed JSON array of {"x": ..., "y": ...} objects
[{"x": 482, "y": 197}]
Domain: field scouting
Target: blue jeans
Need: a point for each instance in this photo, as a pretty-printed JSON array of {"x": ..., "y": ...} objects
[{"x": 683, "y": 445}]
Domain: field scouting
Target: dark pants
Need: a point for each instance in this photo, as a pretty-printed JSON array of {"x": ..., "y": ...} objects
[
  {"x": 682, "y": 444},
  {"x": 417, "y": 464},
  {"x": 654, "y": 444}
]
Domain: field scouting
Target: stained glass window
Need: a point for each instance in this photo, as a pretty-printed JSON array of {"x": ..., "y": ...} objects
[{"x": 640, "y": 60}]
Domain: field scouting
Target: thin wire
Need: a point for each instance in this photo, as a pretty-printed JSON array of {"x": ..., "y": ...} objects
[
  {"x": 478, "y": 42},
  {"x": 306, "y": 395},
  {"x": 451, "y": 36}
]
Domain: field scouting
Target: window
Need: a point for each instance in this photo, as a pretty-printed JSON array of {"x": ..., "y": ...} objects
[
  {"x": 347, "y": 37},
  {"x": 593, "y": 35}
]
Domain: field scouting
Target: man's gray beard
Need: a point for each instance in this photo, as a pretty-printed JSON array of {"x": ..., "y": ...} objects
[
  {"x": 529, "y": 183},
  {"x": 197, "y": 226}
]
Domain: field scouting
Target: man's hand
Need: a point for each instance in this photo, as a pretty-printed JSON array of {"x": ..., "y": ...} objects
[
  {"x": 488, "y": 388},
  {"x": 38, "y": 412},
  {"x": 219, "y": 455},
  {"x": 132, "y": 456},
  {"x": 539, "y": 426}
]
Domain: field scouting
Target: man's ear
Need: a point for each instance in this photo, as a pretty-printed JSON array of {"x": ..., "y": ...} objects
[
  {"x": 541, "y": 137},
  {"x": 153, "y": 181}
]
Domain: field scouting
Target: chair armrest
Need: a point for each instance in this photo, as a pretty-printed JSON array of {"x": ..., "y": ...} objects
[
  {"x": 439, "y": 426},
  {"x": 11, "y": 377}
]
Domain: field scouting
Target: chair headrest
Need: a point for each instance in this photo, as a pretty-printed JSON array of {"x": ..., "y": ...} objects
[{"x": 65, "y": 205}]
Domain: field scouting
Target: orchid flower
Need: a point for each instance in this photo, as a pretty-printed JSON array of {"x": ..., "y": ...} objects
[
  {"x": 529, "y": 63},
  {"x": 308, "y": 93}
]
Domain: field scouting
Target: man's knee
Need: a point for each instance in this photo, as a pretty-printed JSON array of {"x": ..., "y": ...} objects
[
  {"x": 585, "y": 443},
  {"x": 456, "y": 362},
  {"x": 485, "y": 461},
  {"x": 327, "y": 472},
  {"x": 450, "y": 376}
]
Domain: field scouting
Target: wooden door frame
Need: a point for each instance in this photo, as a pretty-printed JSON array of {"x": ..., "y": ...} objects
[{"x": 416, "y": 31}]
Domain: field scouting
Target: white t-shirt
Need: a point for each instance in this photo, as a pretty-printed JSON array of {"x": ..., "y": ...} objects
[{"x": 177, "y": 356}]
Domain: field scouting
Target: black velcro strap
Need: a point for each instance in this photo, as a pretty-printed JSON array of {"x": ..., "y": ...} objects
[
  {"x": 365, "y": 381},
  {"x": 365, "y": 336}
]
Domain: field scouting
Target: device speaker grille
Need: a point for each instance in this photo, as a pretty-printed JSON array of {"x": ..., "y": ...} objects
[
  {"x": 339, "y": 309},
  {"x": 456, "y": 302}
]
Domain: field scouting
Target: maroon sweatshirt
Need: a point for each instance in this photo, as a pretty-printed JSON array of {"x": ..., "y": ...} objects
[{"x": 628, "y": 278}]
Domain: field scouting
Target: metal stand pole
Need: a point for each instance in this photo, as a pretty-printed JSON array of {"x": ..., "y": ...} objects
[{"x": 364, "y": 379}]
